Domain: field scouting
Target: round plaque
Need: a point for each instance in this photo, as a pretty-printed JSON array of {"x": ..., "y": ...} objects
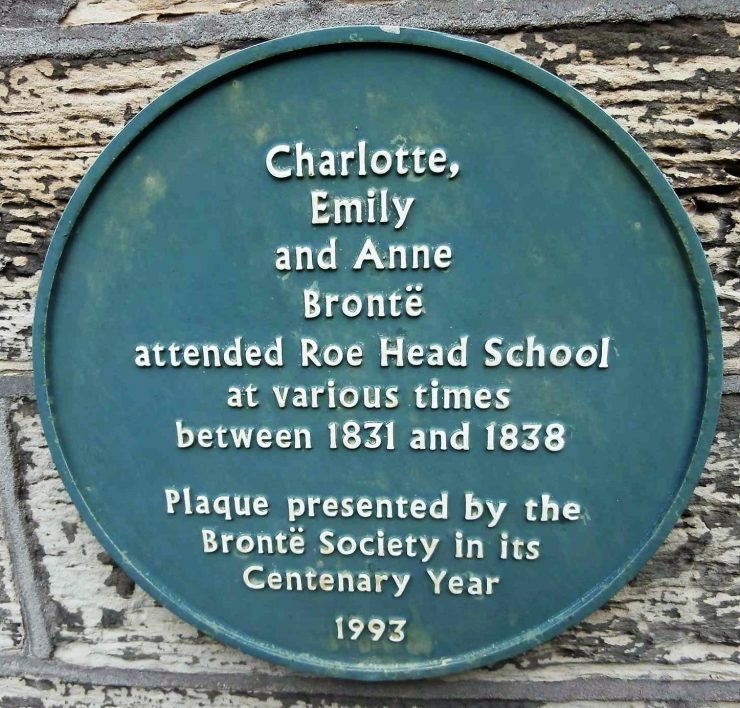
[{"x": 377, "y": 353}]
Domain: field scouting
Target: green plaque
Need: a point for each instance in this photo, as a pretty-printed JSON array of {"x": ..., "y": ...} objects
[{"x": 377, "y": 353}]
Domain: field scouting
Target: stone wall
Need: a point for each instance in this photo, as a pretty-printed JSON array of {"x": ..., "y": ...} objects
[{"x": 74, "y": 630}]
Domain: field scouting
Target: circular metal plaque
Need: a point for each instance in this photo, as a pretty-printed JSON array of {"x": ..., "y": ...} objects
[{"x": 377, "y": 353}]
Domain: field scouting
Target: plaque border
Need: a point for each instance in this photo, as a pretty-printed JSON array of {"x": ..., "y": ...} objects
[{"x": 497, "y": 59}]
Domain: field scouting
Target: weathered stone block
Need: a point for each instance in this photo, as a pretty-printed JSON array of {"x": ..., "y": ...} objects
[
  {"x": 11, "y": 624},
  {"x": 54, "y": 693},
  {"x": 86, "y": 12}
]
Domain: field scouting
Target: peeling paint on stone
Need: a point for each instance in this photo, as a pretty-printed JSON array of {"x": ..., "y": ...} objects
[
  {"x": 11, "y": 624},
  {"x": 87, "y": 12},
  {"x": 45, "y": 693}
]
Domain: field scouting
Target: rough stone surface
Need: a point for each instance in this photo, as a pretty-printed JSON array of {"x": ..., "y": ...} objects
[
  {"x": 19, "y": 692},
  {"x": 59, "y": 694},
  {"x": 87, "y": 12},
  {"x": 517, "y": 13},
  {"x": 677, "y": 620},
  {"x": 673, "y": 86},
  {"x": 29, "y": 38},
  {"x": 512, "y": 14},
  {"x": 11, "y": 626}
]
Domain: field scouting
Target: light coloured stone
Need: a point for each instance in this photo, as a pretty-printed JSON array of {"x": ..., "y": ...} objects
[
  {"x": 11, "y": 623},
  {"x": 46, "y": 693},
  {"x": 88, "y": 12}
]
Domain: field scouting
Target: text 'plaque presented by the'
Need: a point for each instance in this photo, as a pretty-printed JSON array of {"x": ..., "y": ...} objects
[{"x": 377, "y": 353}]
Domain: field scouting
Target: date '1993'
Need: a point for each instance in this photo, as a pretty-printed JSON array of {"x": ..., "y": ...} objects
[{"x": 353, "y": 628}]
